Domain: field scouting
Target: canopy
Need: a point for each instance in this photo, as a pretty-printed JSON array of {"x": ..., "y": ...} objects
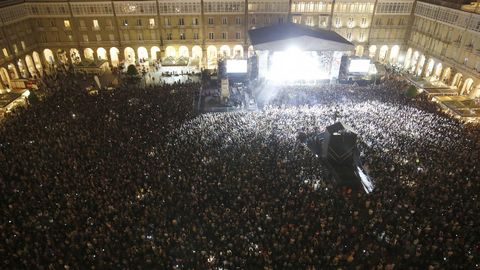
[{"x": 281, "y": 37}]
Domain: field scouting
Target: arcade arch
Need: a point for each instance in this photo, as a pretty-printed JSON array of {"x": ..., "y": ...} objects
[
  {"x": 382, "y": 55},
  {"x": 475, "y": 93},
  {"x": 48, "y": 54},
  {"x": 238, "y": 51},
  {"x": 12, "y": 71},
  {"x": 394, "y": 54},
  {"x": 211, "y": 56},
  {"x": 447, "y": 74},
  {"x": 75, "y": 56},
  {"x": 62, "y": 56},
  {"x": 372, "y": 51},
  {"x": 421, "y": 63},
  {"x": 37, "y": 61},
  {"x": 438, "y": 70},
  {"x": 457, "y": 80},
  {"x": 129, "y": 56},
  {"x": 183, "y": 52},
  {"x": 154, "y": 53},
  {"x": 225, "y": 51},
  {"x": 5, "y": 77},
  {"x": 88, "y": 53},
  {"x": 429, "y": 68},
  {"x": 30, "y": 65},
  {"x": 170, "y": 51},
  {"x": 142, "y": 54},
  {"x": 408, "y": 58},
  {"x": 102, "y": 54},
  {"x": 114, "y": 52},
  {"x": 467, "y": 87}
]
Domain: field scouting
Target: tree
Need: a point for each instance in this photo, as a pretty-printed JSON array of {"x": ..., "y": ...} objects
[
  {"x": 132, "y": 71},
  {"x": 411, "y": 92},
  {"x": 132, "y": 74}
]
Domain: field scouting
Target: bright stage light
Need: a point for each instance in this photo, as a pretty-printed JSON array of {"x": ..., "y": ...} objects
[
  {"x": 359, "y": 66},
  {"x": 296, "y": 65},
  {"x": 237, "y": 66}
]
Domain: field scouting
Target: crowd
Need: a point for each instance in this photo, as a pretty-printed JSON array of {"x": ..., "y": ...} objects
[{"x": 132, "y": 179}]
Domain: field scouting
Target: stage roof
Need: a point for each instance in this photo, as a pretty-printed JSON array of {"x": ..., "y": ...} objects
[{"x": 281, "y": 37}]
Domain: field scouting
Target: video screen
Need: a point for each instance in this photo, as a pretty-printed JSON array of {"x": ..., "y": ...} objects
[
  {"x": 237, "y": 66},
  {"x": 359, "y": 66}
]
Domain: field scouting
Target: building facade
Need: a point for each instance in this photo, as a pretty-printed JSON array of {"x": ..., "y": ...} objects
[{"x": 433, "y": 41}]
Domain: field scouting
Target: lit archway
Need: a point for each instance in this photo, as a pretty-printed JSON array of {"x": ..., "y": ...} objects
[
  {"x": 414, "y": 61},
  {"x": 114, "y": 52},
  {"x": 129, "y": 56},
  {"x": 5, "y": 77},
  {"x": 394, "y": 54},
  {"x": 467, "y": 87},
  {"x": 430, "y": 65},
  {"x": 475, "y": 93},
  {"x": 88, "y": 53},
  {"x": 408, "y": 57},
  {"x": 62, "y": 56},
  {"x": 22, "y": 68},
  {"x": 225, "y": 51},
  {"x": 372, "y": 51},
  {"x": 238, "y": 51},
  {"x": 75, "y": 56},
  {"x": 30, "y": 65},
  {"x": 382, "y": 55},
  {"x": 447, "y": 74},
  {"x": 102, "y": 54},
  {"x": 142, "y": 54},
  {"x": 12, "y": 71},
  {"x": 38, "y": 62},
  {"x": 197, "y": 55},
  {"x": 457, "y": 80},
  {"x": 359, "y": 50},
  {"x": 251, "y": 51},
  {"x": 48, "y": 54},
  {"x": 170, "y": 51},
  {"x": 211, "y": 56},
  {"x": 183, "y": 51},
  {"x": 421, "y": 63},
  {"x": 438, "y": 70},
  {"x": 154, "y": 53}
]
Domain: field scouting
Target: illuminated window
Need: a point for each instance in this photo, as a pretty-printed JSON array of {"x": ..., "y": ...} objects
[
  {"x": 182, "y": 36},
  {"x": 66, "y": 23},
  {"x": 23, "y": 44},
  {"x": 99, "y": 37},
  {"x": 5, "y": 52},
  {"x": 151, "y": 22},
  {"x": 96, "y": 26},
  {"x": 125, "y": 22},
  {"x": 70, "y": 38},
  {"x": 15, "y": 48}
]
